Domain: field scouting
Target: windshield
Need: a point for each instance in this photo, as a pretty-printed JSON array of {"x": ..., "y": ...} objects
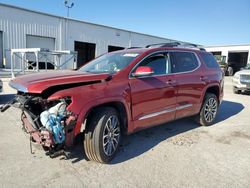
[{"x": 109, "y": 63}]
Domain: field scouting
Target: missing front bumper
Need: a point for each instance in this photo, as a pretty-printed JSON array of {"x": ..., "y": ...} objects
[{"x": 32, "y": 107}]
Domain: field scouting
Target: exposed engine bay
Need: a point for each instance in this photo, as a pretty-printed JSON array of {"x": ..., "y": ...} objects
[{"x": 48, "y": 123}]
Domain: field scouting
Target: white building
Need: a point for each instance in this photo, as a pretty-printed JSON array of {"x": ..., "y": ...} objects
[
  {"x": 238, "y": 54},
  {"x": 22, "y": 28}
]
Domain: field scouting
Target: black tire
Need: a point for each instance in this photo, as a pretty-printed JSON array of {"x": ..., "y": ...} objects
[
  {"x": 208, "y": 112},
  {"x": 230, "y": 71},
  {"x": 98, "y": 134},
  {"x": 236, "y": 91}
]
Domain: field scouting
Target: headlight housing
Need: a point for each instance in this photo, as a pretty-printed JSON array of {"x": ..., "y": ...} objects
[{"x": 237, "y": 76}]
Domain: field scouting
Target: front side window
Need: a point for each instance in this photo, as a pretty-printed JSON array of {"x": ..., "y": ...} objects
[
  {"x": 109, "y": 63},
  {"x": 184, "y": 62},
  {"x": 158, "y": 62}
]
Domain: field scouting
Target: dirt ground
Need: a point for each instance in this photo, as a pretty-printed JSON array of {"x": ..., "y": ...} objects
[{"x": 176, "y": 154}]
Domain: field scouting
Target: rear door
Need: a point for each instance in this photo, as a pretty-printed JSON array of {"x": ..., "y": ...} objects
[
  {"x": 189, "y": 79},
  {"x": 153, "y": 97}
]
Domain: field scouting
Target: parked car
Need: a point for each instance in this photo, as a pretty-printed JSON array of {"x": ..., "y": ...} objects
[
  {"x": 241, "y": 80},
  {"x": 118, "y": 93}
]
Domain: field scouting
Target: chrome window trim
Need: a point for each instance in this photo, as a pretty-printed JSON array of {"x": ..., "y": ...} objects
[
  {"x": 165, "y": 111},
  {"x": 165, "y": 51}
]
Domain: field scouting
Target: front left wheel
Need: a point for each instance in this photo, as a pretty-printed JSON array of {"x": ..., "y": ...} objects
[{"x": 103, "y": 135}]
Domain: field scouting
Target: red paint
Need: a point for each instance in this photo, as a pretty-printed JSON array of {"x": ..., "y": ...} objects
[
  {"x": 140, "y": 96},
  {"x": 37, "y": 83}
]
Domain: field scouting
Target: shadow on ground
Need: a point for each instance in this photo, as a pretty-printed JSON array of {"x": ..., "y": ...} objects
[
  {"x": 4, "y": 98},
  {"x": 143, "y": 141},
  {"x": 245, "y": 93},
  {"x": 228, "y": 109}
]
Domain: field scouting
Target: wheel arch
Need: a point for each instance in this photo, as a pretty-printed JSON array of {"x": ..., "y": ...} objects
[
  {"x": 117, "y": 105},
  {"x": 215, "y": 89}
]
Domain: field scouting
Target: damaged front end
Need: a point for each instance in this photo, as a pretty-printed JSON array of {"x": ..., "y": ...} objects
[
  {"x": 50, "y": 106},
  {"x": 48, "y": 122}
]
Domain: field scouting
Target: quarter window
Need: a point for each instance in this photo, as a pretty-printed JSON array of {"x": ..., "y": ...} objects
[
  {"x": 209, "y": 60},
  {"x": 184, "y": 62}
]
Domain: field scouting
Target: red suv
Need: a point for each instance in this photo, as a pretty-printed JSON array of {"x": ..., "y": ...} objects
[{"x": 118, "y": 93}]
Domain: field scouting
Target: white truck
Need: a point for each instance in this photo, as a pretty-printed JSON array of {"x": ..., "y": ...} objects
[{"x": 241, "y": 80}]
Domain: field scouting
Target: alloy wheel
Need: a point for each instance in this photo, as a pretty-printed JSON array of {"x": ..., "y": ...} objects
[
  {"x": 111, "y": 135},
  {"x": 210, "y": 110}
]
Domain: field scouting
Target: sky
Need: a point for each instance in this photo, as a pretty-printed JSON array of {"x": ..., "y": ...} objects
[{"x": 205, "y": 22}]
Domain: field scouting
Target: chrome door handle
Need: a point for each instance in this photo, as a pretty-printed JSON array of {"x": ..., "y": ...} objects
[
  {"x": 171, "y": 82},
  {"x": 204, "y": 78}
]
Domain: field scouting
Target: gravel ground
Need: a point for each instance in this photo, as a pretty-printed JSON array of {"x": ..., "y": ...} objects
[{"x": 177, "y": 154}]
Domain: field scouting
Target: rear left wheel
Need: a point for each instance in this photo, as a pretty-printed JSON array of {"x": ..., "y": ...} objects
[{"x": 209, "y": 110}]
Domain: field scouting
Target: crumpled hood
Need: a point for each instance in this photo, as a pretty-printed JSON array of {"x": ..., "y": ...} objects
[{"x": 38, "y": 82}]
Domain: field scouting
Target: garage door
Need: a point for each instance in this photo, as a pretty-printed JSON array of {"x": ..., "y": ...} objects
[
  {"x": 1, "y": 49},
  {"x": 40, "y": 42}
]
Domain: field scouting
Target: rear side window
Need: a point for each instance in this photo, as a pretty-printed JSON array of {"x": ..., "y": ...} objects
[
  {"x": 209, "y": 60},
  {"x": 184, "y": 62}
]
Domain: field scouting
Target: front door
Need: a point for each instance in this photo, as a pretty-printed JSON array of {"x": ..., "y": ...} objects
[{"x": 153, "y": 97}]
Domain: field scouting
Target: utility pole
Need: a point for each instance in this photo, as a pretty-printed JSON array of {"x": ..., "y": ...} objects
[{"x": 68, "y": 6}]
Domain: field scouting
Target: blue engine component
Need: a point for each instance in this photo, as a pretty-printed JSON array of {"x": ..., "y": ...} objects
[
  {"x": 51, "y": 120},
  {"x": 57, "y": 129}
]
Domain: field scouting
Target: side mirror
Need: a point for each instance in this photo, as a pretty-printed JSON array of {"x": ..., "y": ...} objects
[{"x": 143, "y": 71}]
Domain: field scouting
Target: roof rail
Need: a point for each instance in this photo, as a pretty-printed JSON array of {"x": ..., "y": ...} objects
[
  {"x": 176, "y": 44},
  {"x": 170, "y": 44},
  {"x": 190, "y": 45},
  {"x": 202, "y": 49},
  {"x": 133, "y": 47}
]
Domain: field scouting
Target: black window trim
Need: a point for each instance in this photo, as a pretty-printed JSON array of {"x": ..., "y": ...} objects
[{"x": 165, "y": 51}]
